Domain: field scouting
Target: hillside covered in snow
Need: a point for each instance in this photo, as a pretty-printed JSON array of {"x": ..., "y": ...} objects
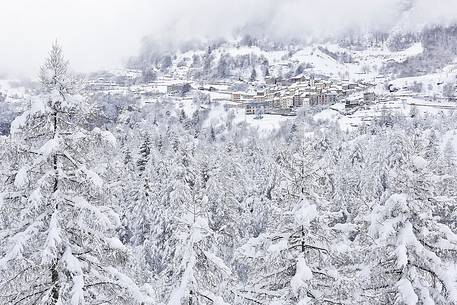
[{"x": 307, "y": 157}]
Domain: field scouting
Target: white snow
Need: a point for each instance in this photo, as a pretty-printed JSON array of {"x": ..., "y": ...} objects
[
  {"x": 35, "y": 197},
  {"x": 21, "y": 177},
  {"x": 102, "y": 219},
  {"x": 278, "y": 247},
  {"x": 218, "y": 262},
  {"x": 93, "y": 177},
  {"x": 305, "y": 213},
  {"x": 38, "y": 106},
  {"x": 115, "y": 244},
  {"x": 405, "y": 238},
  {"x": 106, "y": 136},
  {"x": 217, "y": 300},
  {"x": 249, "y": 248},
  {"x": 18, "y": 243},
  {"x": 73, "y": 265},
  {"x": 50, "y": 147},
  {"x": 127, "y": 283},
  {"x": 19, "y": 122},
  {"x": 52, "y": 239},
  {"x": 406, "y": 292},
  {"x": 381, "y": 222},
  {"x": 419, "y": 162},
  {"x": 302, "y": 275}
]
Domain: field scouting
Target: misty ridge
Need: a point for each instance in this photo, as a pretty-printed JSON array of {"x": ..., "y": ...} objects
[
  {"x": 272, "y": 25},
  {"x": 112, "y": 31},
  {"x": 245, "y": 152}
]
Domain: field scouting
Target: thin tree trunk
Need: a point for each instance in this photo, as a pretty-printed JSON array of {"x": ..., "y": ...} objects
[
  {"x": 55, "y": 284},
  {"x": 54, "y": 273},
  {"x": 55, "y": 160}
]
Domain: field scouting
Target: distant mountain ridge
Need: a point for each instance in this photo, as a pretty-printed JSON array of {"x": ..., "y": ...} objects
[{"x": 413, "y": 22}]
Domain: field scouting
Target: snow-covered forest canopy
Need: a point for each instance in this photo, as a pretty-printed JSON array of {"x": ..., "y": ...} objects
[
  {"x": 241, "y": 152},
  {"x": 157, "y": 207}
]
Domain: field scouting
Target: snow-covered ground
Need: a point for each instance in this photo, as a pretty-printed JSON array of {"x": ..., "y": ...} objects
[
  {"x": 367, "y": 113},
  {"x": 364, "y": 65},
  {"x": 319, "y": 59}
]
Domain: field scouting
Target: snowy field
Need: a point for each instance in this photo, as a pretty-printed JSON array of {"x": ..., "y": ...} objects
[{"x": 366, "y": 114}]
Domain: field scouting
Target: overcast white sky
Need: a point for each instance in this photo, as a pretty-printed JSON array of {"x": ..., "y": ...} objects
[{"x": 99, "y": 34}]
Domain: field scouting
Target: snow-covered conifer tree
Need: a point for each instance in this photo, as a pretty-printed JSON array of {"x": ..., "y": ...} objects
[
  {"x": 59, "y": 245},
  {"x": 196, "y": 274},
  {"x": 414, "y": 249}
]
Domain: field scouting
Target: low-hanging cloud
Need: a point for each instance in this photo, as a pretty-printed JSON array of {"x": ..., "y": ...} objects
[
  {"x": 100, "y": 34},
  {"x": 94, "y": 34}
]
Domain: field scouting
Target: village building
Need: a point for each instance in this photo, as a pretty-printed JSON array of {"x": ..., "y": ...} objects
[
  {"x": 270, "y": 80},
  {"x": 254, "y": 107},
  {"x": 297, "y": 100},
  {"x": 311, "y": 81},
  {"x": 178, "y": 88},
  {"x": 260, "y": 96},
  {"x": 320, "y": 86},
  {"x": 351, "y": 103},
  {"x": 332, "y": 97},
  {"x": 298, "y": 79},
  {"x": 275, "y": 102},
  {"x": 286, "y": 101},
  {"x": 236, "y": 97},
  {"x": 306, "y": 102},
  {"x": 369, "y": 97},
  {"x": 323, "y": 98}
]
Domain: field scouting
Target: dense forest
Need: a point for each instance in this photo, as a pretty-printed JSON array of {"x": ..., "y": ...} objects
[{"x": 157, "y": 208}]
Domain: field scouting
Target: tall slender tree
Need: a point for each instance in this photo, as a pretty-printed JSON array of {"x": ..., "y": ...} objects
[{"x": 61, "y": 245}]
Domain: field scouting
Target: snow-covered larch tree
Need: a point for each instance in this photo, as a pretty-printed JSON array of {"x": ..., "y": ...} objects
[
  {"x": 197, "y": 274},
  {"x": 59, "y": 244},
  {"x": 291, "y": 263},
  {"x": 414, "y": 249}
]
